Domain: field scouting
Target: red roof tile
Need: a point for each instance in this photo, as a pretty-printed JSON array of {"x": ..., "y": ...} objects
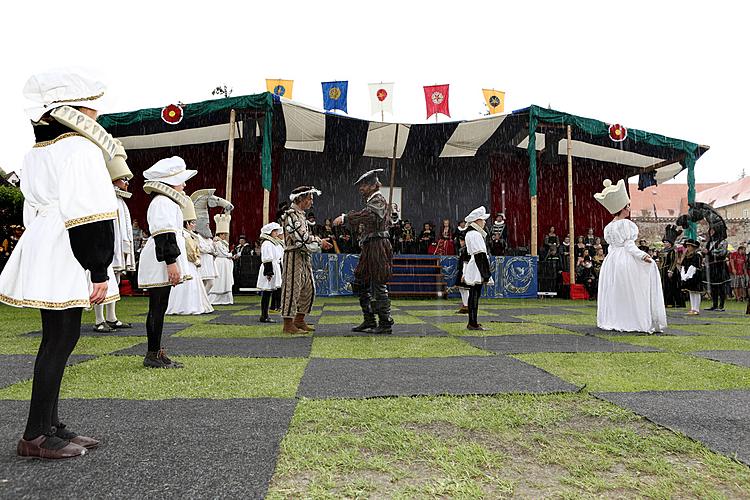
[{"x": 670, "y": 200}]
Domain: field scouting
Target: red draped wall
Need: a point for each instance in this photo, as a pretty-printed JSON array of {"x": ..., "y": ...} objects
[
  {"x": 512, "y": 173},
  {"x": 211, "y": 162}
]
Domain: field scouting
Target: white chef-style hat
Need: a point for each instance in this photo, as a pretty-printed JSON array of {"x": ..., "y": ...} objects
[
  {"x": 270, "y": 227},
  {"x": 613, "y": 197},
  {"x": 62, "y": 88},
  {"x": 172, "y": 171},
  {"x": 476, "y": 214}
]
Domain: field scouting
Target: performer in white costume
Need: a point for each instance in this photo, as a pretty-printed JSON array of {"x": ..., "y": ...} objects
[
  {"x": 61, "y": 264},
  {"x": 163, "y": 263},
  {"x": 221, "y": 292},
  {"x": 203, "y": 199},
  {"x": 269, "y": 274},
  {"x": 124, "y": 256},
  {"x": 191, "y": 296},
  {"x": 630, "y": 293},
  {"x": 476, "y": 272}
]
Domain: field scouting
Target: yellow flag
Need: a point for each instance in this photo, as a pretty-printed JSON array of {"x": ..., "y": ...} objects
[
  {"x": 495, "y": 100},
  {"x": 281, "y": 88}
]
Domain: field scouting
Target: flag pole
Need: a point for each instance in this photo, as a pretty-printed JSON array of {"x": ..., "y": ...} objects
[
  {"x": 393, "y": 173},
  {"x": 230, "y": 156},
  {"x": 571, "y": 220}
]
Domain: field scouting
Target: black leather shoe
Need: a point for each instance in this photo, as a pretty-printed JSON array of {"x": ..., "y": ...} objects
[
  {"x": 34, "y": 449},
  {"x": 367, "y": 325},
  {"x": 267, "y": 320}
]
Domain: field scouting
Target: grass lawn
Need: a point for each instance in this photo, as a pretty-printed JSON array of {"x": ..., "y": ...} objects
[
  {"x": 686, "y": 344},
  {"x": 501, "y": 329},
  {"x": 570, "y": 446},
  {"x": 718, "y": 329},
  {"x": 528, "y": 446},
  {"x": 123, "y": 377},
  {"x": 563, "y": 319},
  {"x": 232, "y": 331},
  {"x": 392, "y": 347},
  {"x": 355, "y": 319},
  {"x": 630, "y": 372}
]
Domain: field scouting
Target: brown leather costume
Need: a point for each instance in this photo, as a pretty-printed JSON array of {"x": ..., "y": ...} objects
[{"x": 375, "y": 260}]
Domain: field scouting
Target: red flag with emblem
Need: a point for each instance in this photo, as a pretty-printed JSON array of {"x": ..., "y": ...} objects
[{"x": 436, "y": 98}]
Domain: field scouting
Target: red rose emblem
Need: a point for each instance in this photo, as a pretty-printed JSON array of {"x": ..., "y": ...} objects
[
  {"x": 381, "y": 95},
  {"x": 617, "y": 132},
  {"x": 172, "y": 114}
]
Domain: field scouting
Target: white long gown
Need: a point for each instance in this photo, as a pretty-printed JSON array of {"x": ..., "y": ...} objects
[
  {"x": 207, "y": 269},
  {"x": 221, "y": 292},
  {"x": 630, "y": 297},
  {"x": 191, "y": 296}
]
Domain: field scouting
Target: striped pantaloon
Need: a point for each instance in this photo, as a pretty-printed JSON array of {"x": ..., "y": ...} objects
[{"x": 297, "y": 287}]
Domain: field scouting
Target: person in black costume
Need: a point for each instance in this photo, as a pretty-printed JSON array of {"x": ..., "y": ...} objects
[
  {"x": 717, "y": 272},
  {"x": 375, "y": 262},
  {"x": 670, "y": 273}
]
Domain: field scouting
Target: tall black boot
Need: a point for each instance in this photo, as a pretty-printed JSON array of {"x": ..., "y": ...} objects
[
  {"x": 363, "y": 291},
  {"x": 264, "y": 303},
  {"x": 382, "y": 306}
]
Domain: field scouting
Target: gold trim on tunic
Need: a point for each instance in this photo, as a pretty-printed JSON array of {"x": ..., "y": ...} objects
[
  {"x": 79, "y": 221},
  {"x": 163, "y": 231},
  {"x": 58, "y": 138},
  {"x": 44, "y": 304},
  {"x": 159, "y": 285}
]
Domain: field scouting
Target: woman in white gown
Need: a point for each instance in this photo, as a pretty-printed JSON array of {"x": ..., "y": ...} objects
[
  {"x": 630, "y": 293},
  {"x": 221, "y": 292},
  {"x": 191, "y": 296}
]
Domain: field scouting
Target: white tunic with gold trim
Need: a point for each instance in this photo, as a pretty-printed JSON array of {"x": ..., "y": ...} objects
[
  {"x": 164, "y": 216},
  {"x": 65, "y": 184},
  {"x": 124, "y": 259}
]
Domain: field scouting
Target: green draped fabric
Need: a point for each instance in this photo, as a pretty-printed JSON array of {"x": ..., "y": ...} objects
[
  {"x": 598, "y": 128},
  {"x": 262, "y": 101}
]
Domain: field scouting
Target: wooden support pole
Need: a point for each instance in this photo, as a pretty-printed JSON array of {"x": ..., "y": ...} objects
[
  {"x": 266, "y": 206},
  {"x": 393, "y": 173},
  {"x": 230, "y": 156},
  {"x": 571, "y": 221},
  {"x": 534, "y": 227}
]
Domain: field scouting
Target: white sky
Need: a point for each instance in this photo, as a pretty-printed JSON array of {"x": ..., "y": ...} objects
[{"x": 674, "y": 67}]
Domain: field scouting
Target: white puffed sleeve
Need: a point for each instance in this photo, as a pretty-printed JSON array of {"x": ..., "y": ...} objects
[
  {"x": 475, "y": 243},
  {"x": 161, "y": 216}
]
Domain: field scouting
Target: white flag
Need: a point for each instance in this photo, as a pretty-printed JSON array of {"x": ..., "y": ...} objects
[{"x": 381, "y": 98}]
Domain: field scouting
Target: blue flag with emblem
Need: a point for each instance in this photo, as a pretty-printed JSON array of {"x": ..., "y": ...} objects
[{"x": 334, "y": 95}]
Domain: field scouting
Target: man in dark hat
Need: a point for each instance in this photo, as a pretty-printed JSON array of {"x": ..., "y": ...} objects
[
  {"x": 671, "y": 282},
  {"x": 374, "y": 269}
]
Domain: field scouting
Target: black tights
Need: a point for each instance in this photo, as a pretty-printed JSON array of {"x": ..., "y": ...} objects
[
  {"x": 718, "y": 295},
  {"x": 276, "y": 300},
  {"x": 265, "y": 301},
  {"x": 158, "y": 299},
  {"x": 475, "y": 291},
  {"x": 60, "y": 332}
]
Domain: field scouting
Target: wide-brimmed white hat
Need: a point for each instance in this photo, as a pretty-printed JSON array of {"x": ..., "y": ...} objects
[
  {"x": 476, "y": 214},
  {"x": 270, "y": 227},
  {"x": 172, "y": 171},
  {"x": 62, "y": 88},
  {"x": 613, "y": 198}
]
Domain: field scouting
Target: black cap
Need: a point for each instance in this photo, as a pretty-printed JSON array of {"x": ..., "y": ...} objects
[{"x": 370, "y": 177}]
